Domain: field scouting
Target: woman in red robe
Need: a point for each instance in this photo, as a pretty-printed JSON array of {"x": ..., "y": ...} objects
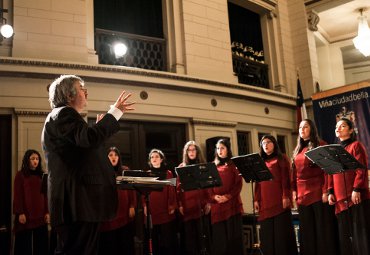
[
  {"x": 317, "y": 226},
  {"x": 226, "y": 204},
  {"x": 193, "y": 206},
  {"x": 162, "y": 209},
  {"x": 349, "y": 191},
  {"x": 273, "y": 202},
  {"x": 30, "y": 207},
  {"x": 117, "y": 235}
]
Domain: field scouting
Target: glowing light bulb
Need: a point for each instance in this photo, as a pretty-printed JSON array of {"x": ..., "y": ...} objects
[
  {"x": 6, "y": 30},
  {"x": 120, "y": 49}
]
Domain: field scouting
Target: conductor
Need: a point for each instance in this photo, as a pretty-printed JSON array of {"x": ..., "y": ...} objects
[{"x": 81, "y": 184}]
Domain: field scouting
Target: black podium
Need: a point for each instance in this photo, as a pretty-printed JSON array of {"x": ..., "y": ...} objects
[
  {"x": 253, "y": 169},
  {"x": 334, "y": 159},
  {"x": 145, "y": 182},
  {"x": 197, "y": 177}
]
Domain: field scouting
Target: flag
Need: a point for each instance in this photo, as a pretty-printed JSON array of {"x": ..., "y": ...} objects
[{"x": 301, "y": 107}]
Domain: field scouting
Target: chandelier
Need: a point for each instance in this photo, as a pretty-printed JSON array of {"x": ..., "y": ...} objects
[{"x": 362, "y": 40}]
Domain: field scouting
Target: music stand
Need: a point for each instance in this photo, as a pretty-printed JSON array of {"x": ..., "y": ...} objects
[
  {"x": 197, "y": 177},
  {"x": 334, "y": 159},
  {"x": 145, "y": 182},
  {"x": 253, "y": 169}
]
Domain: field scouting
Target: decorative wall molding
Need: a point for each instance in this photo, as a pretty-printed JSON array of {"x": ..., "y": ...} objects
[
  {"x": 311, "y": 2},
  {"x": 36, "y": 113},
  {"x": 27, "y": 112},
  {"x": 271, "y": 15},
  {"x": 213, "y": 123},
  {"x": 33, "y": 65},
  {"x": 273, "y": 3}
]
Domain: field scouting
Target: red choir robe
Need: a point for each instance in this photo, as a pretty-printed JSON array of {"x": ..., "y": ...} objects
[
  {"x": 231, "y": 186},
  {"x": 193, "y": 202},
  {"x": 126, "y": 200},
  {"x": 356, "y": 179},
  {"x": 309, "y": 180},
  {"x": 161, "y": 202},
  {"x": 29, "y": 200},
  {"x": 270, "y": 194}
]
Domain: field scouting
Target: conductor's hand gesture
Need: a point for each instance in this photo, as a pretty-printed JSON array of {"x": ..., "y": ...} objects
[{"x": 122, "y": 102}]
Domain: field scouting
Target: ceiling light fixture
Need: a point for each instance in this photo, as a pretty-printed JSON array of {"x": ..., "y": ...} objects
[
  {"x": 6, "y": 30},
  {"x": 362, "y": 40}
]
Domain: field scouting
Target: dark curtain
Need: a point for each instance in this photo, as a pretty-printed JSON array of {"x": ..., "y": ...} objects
[
  {"x": 141, "y": 17},
  {"x": 245, "y": 27}
]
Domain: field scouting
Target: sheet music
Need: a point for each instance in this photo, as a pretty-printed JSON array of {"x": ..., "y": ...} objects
[{"x": 146, "y": 180}]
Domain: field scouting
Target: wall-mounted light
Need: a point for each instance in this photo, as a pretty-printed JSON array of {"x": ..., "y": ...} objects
[
  {"x": 362, "y": 40},
  {"x": 6, "y": 30},
  {"x": 119, "y": 49}
]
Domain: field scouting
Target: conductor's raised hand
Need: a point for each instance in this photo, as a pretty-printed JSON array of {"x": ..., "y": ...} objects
[{"x": 122, "y": 102}]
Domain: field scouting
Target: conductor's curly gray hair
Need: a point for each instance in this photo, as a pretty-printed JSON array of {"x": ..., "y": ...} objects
[{"x": 62, "y": 90}]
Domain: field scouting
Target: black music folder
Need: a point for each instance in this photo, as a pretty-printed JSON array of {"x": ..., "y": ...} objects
[
  {"x": 252, "y": 167},
  {"x": 333, "y": 158},
  {"x": 198, "y": 176}
]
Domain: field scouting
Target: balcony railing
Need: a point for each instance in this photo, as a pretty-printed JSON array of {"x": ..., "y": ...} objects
[
  {"x": 143, "y": 52},
  {"x": 250, "y": 72}
]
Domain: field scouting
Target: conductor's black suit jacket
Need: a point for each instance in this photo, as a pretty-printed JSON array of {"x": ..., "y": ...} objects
[{"x": 81, "y": 183}]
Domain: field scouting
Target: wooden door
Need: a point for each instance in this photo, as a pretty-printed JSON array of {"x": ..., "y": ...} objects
[{"x": 135, "y": 140}]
